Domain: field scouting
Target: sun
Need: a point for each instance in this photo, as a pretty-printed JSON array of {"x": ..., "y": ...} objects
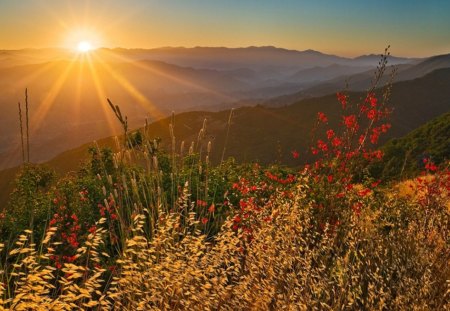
[{"x": 84, "y": 46}]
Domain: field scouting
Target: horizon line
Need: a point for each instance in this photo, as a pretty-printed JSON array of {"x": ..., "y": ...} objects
[{"x": 218, "y": 47}]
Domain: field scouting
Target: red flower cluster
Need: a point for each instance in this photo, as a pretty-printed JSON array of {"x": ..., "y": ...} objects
[
  {"x": 201, "y": 203},
  {"x": 288, "y": 180},
  {"x": 330, "y": 134},
  {"x": 432, "y": 190},
  {"x": 350, "y": 122},
  {"x": 322, "y": 145},
  {"x": 336, "y": 142},
  {"x": 371, "y": 99},
  {"x": 68, "y": 230},
  {"x": 110, "y": 208},
  {"x": 342, "y": 99},
  {"x": 429, "y": 166},
  {"x": 322, "y": 117}
]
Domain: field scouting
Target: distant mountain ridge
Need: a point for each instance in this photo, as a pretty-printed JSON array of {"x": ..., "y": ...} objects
[
  {"x": 363, "y": 80},
  {"x": 154, "y": 82},
  {"x": 223, "y": 57}
]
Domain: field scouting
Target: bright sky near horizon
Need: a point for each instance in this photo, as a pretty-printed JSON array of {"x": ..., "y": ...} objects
[{"x": 348, "y": 27}]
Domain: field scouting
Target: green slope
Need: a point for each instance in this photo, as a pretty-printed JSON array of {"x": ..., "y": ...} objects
[{"x": 404, "y": 156}]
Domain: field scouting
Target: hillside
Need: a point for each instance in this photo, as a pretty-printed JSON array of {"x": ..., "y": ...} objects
[
  {"x": 404, "y": 156},
  {"x": 269, "y": 135}
]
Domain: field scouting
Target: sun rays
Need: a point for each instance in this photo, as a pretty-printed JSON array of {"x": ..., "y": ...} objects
[
  {"x": 101, "y": 94},
  {"x": 82, "y": 72},
  {"x": 45, "y": 105},
  {"x": 83, "y": 77}
]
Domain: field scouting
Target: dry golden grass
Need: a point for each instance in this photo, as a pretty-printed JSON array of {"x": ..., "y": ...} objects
[{"x": 372, "y": 263}]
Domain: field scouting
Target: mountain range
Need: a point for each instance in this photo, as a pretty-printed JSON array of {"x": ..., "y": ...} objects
[{"x": 67, "y": 91}]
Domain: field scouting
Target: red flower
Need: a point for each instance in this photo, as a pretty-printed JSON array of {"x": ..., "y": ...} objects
[
  {"x": 364, "y": 192},
  {"x": 350, "y": 122},
  {"x": 372, "y": 114},
  {"x": 212, "y": 208},
  {"x": 52, "y": 222},
  {"x": 430, "y": 166},
  {"x": 330, "y": 134},
  {"x": 375, "y": 183},
  {"x": 385, "y": 127},
  {"x": 330, "y": 178},
  {"x": 378, "y": 154},
  {"x": 342, "y": 99},
  {"x": 295, "y": 154},
  {"x": 204, "y": 220},
  {"x": 69, "y": 258},
  {"x": 361, "y": 139},
  {"x": 372, "y": 100},
  {"x": 336, "y": 142},
  {"x": 375, "y": 135},
  {"x": 201, "y": 203},
  {"x": 72, "y": 239},
  {"x": 74, "y": 217},
  {"x": 322, "y": 145},
  {"x": 322, "y": 117}
]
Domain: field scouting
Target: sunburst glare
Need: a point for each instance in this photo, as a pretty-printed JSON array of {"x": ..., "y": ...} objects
[{"x": 84, "y": 46}]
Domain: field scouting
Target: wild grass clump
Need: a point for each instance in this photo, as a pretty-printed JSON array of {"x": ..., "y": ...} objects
[{"x": 141, "y": 229}]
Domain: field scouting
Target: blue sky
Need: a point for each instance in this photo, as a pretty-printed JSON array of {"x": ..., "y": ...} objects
[{"x": 350, "y": 28}]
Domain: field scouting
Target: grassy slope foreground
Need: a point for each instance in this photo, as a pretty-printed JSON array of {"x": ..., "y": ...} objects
[{"x": 143, "y": 229}]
